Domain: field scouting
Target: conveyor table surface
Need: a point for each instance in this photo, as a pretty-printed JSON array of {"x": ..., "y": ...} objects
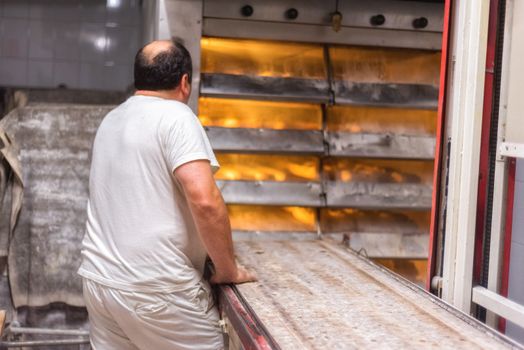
[{"x": 319, "y": 295}]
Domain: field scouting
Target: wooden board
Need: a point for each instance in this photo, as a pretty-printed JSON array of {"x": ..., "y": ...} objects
[{"x": 2, "y": 321}]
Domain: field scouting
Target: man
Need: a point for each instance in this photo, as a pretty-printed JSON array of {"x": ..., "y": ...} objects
[{"x": 154, "y": 213}]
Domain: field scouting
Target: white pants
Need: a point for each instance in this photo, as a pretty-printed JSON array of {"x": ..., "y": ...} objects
[{"x": 123, "y": 320}]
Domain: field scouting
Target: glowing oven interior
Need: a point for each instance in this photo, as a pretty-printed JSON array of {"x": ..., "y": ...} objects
[{"x": 357, "y": 64}]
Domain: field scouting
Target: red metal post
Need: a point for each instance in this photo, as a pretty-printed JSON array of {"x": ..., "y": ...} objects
[
  {"x": 504, "y": 283},
  {"x": 435, "y": 201}
]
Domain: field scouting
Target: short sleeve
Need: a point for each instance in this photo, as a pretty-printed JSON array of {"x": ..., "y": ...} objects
[{"x": 185, "y": 140}]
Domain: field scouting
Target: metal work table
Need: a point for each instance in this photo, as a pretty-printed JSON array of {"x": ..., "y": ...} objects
[{"x": 318, "y": 294}]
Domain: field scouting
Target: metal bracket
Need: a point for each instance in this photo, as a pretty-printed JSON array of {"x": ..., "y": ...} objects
[
  {"x": 515, "y": 150},
  {"x": 13, "y": 332}
]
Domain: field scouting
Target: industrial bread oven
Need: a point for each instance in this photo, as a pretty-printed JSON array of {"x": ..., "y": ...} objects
[{"x": 328, "y": 133}]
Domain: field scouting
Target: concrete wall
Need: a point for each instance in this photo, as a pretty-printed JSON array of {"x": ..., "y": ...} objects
[
  {"x": 86, "y": 44},
  {"x": 55, "y": 141},
  {"x": 516, "y": 273}
]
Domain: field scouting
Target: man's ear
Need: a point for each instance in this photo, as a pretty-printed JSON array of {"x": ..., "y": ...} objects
[{"x": 186, "y": 85}]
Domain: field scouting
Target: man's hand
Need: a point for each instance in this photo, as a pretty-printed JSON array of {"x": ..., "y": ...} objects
[{"x": 242, "y": 275}]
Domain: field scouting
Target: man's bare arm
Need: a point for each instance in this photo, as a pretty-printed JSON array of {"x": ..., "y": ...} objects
[{"x": 210, "y": 215}]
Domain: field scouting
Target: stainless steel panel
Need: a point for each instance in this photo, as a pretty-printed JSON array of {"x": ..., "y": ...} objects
[
  {"x": 235, "y": 28},
  {"x": 266, "y": 140},
  {"x": 338, "y": 194},
  {"x": 341, "y": 144},
  {"x": 309, "y": 11},
  {"x": 355, "y": 13},
  {"x": 315, "y": 90},
  {"x": 398, "y": 14},
  {"x": 264, "y": 88},
  {"x": 369, "y": 195},
  {"x": 387, "y": 95},
  {"x": 306, "y": 194},
  {"x": 380, "y": 145}
]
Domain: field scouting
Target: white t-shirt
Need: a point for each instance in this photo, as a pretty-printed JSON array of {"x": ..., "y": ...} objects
[{"x": 140, "y": 234}]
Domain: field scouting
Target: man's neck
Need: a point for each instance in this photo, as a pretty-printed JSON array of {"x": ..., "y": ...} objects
[{"x": 166, "y": 94}]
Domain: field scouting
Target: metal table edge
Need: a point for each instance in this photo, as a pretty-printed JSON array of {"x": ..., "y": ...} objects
[{"x": 250, "y": 329}]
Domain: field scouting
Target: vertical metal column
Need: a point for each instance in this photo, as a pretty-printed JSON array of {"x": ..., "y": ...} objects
[
  {"x": 185, "y": 22},
  {"x": 469, "y": 41},
  {"x": 436, "y": 197},
  {"x": 489, "y": 145}
]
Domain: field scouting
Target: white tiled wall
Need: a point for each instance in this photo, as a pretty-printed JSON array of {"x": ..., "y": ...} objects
[
  {"x": 87, "y": 44},
  {"x": 516, "y": 264}
]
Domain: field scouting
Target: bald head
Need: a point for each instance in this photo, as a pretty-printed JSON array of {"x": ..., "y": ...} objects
[
  {"x": 160, "y": 65},
  {"x": 152, "y": 49}
]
